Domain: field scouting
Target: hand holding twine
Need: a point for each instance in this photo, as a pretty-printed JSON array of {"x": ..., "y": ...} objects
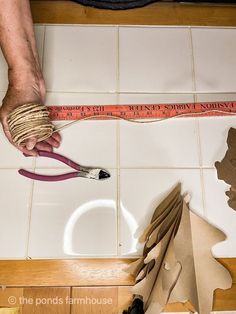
[{"x": 30, "y": 120}]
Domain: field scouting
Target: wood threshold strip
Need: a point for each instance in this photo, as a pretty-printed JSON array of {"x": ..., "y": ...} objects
[
  {"x": 75, "y": 272},
  {"x": 68, "y": 12},
  {"x": 94, "y": 273}
]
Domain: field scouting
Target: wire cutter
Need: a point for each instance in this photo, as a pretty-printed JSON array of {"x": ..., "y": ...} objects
[{"x": 84, "y": 172}]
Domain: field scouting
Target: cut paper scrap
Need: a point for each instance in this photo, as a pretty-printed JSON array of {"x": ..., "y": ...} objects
[
  {"x": 177, "y": 264},
  {"x": 226, "y": 169}
]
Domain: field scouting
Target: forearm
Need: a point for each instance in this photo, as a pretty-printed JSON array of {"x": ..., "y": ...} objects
[
  {"x": 26, "y": 83},
  {"x": 17, "y": 40}
]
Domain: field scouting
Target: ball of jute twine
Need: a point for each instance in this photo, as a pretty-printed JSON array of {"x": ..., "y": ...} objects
[{"x": 32, "y": 120}]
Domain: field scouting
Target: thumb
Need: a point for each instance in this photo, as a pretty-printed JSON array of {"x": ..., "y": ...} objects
[{"x": 30, "y": 143}]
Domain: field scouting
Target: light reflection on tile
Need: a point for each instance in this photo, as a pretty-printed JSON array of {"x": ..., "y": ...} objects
[{"x": 77, "y": 216}]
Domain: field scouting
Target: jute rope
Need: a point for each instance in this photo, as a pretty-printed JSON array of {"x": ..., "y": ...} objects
[{"x": 32, "y": 120}]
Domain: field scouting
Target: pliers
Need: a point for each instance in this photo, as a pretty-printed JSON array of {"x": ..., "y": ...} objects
[{"x": 81, "y": 171}]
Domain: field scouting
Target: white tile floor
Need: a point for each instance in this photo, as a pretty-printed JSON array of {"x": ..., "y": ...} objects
[
  {"x": 73, "y": 215},
  {"x": 155, "y": 59},
  {"x": 15, "y": 195},
  {"x": 215, "y": 60},
  {"x": 109, "y": 65},
  {"x": 92, "y": 49}
]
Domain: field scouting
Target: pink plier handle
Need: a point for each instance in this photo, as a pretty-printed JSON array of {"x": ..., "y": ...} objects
[
  {"x": 58, "y": 157},
  {"x": 41, "y": 177},
  {"x": 60, "y": 177}
]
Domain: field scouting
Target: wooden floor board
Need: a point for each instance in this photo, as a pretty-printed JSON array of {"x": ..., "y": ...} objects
[
  {"x": 225, "y": 299},
  {"x": 95, "y": 300},
  {"x": 88, "y": 300},
  {"x": 79, "y": 272},
  {"x": 68, "y": 12},
  {"x": 46, "y": 300},
  {"x": 10, "y": 297},
  {"x": 87, "y": 277}
]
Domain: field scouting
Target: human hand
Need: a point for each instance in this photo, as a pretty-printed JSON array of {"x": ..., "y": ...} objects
[{"x": 26, "y": 88}]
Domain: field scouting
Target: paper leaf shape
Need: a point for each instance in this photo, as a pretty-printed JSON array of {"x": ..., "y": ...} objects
[
  {"x": 177, "y": 264},
  {"x": 226, "y": 169}
]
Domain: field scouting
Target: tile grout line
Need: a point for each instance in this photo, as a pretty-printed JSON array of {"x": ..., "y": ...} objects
[
  {"x": 198, "y": 128},
  {"x": 118, "y": 248},
  {"x": 29, "y": 219},
  {"x": 116, "y": 168},
  {"x": 132, "y": 26},
  {"x": 73, "y": 257},
  {"x": 43, "y": 53},
  {"x": 201, "y": 172},
  {"x": 195, "y": 96},
  {"x": 141, "y": 92},
  {"x": 192, "y": 63},
  {"x": 117, "y": 61},
  {"x": 34, "y": 165},
  {"x": 94, "y": 92},
  {"x": 30, "y": 210},
  {"x": 118, "y": 190}
]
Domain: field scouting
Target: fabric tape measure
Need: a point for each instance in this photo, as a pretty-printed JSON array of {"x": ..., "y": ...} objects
[{"x": 142, "y": 111}]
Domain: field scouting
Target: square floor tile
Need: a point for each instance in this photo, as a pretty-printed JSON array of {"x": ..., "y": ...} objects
[
  {"x": 171, "y": 143},
  {"x": 14, "y": 212},
  {"x": 214, "y": 131},
  {"x": 219, "y": 213},
  {"x": 11, "y": 157},
  {"x": 76, "y": 217},
  {"x": 150, "y": 98},
  {"x": 142, "y": 190},
  {"x": 155, "y": 59},
  {"x": 217, "y": 97},
  {"x": 39, "y": 34},
  {"x": 90, "y": 143},
  {"x": 80, "y": 58},
  {"x": 80, "y": 99},
  {"x": 215, "y": 58}
]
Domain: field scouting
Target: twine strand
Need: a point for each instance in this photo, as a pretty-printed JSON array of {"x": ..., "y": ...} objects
[{"x": 32, "y": 120}]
